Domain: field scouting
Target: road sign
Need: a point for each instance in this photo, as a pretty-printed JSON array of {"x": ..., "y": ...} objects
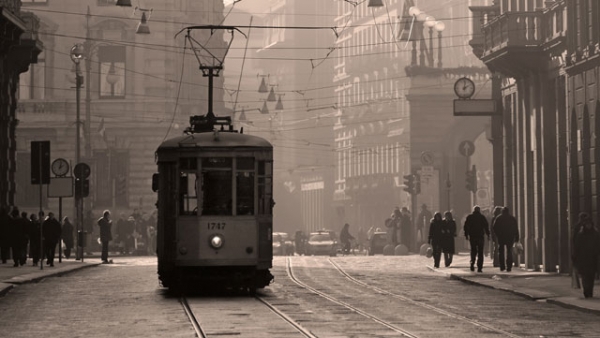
[
  {"x": 60, "y": 187},
  {"x": 81, "y": 170},
  {"x": 466, "y": 148},
  {"x": 475, "y": 107},
  {"x": 427, "y": 170},
  {"x": 427, "y": 158},
  {"x": 40, "y": 162}
]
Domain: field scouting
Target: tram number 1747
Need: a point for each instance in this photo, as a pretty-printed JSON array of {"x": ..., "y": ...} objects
[{"x": 216, "y": 226}]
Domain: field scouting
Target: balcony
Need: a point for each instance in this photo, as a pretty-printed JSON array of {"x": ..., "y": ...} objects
[{"x": 516, "y": 42}]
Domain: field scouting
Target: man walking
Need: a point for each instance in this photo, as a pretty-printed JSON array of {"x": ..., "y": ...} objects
[
  {"x": 476, "y": 226},
  {"x": 105, "y": 224},
  {"x": 507, "y": 233},
  {"x": 51, "y": 230}
]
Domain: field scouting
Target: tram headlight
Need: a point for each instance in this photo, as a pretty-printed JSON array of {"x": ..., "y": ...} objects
[{"x": 216, "y": 241}]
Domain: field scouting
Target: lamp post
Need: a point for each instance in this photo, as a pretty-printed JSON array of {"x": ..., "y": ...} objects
[
  {"x": 76, "y": 56},
  {"x": 439, "y": 27},
  {"x": 430, "y": 22}
]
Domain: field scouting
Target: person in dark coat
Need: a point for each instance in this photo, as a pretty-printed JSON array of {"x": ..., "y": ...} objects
[
  {"x": 436, "y": 227},
  {"x": 586, "y": 248},
  {"x": 26, "y": 224},
  {"x": 449, "y": 232},
  {"x": 495, "y": 260},
  {"x": 105, "y": 224},
  {"x": 507, "y": 232},
  {"x": 476, "y": 226},
  {"x": 393, "y": 225},
  {"x": 4, "y": 234},
  {"x": 67, "y": 236},
  {"x": 18, "y": 238},
  {"x": 345, "y": 238},
  {"x": 35, "y": 238},
  {"x": 51, "y": 231},
  {"x": 406, "y": 235}
]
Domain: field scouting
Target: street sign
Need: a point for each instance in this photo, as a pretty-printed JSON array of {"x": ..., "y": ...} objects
[
  {"x": 426, "y": 170},
  {"x": 475, "y": 107},
  {"x": 81, "y": 170},
  {"x": 427, "y": 158},
  {"x": 60, "y": 187},
  {"x": 466, "y": 148},
  {"x": 40, "y": 162}
]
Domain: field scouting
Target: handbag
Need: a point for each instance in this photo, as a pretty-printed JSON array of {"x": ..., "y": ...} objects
[{"x": 517, "y": 248}]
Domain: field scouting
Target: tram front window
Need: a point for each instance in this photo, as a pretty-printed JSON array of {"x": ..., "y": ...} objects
[{"x": 216, "y": 186}]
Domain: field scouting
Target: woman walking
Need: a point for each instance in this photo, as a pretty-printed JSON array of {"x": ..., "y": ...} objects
[
  {"x": 586, "y": 248},
  {"x": 67, "y": 236},
  {"x": 436, "y": 227},
  {"x": 449, "y": 232}
]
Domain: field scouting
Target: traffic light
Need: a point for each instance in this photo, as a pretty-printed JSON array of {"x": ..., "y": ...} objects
[
  {"x": 472, "y": 179},
  {"x": 409, "y": 183},
  {"x": 82, "y": 187},
  {"x": 417, "y": 189}
]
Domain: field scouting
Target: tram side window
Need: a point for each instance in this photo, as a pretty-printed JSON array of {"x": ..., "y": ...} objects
[
  {"x": 245, "y": 186},
  {"x": 265, "y": 188},
  {"x": 188, "y": 201},
  {"x": 217, "y": 186}
]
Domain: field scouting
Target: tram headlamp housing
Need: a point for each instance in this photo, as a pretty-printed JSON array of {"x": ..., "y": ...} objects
[{"x": 216, "y": 241}]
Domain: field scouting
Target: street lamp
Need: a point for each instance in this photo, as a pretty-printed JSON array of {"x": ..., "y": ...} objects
[
  {"x": 76, "y": 56},
  {"x": 439, "y": 27},
  {"x": 430, "y": 22}
]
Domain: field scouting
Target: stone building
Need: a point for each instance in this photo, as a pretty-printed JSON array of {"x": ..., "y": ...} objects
[
  {"x": 137, "y": 89},
  {"x": 19, "y": 49}
]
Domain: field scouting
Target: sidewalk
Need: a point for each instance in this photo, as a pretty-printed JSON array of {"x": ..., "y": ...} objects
[
  {"x": 539, "y": 286},
  {"x": 11, "y": 276}
]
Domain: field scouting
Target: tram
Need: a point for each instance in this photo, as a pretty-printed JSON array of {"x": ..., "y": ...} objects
[{"x": 215, "y": 203}]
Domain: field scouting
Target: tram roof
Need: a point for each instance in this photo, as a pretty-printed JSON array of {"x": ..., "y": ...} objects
[{"x": 208, "y": 140}]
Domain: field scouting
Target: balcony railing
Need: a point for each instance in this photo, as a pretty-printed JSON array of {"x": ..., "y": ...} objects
[
  {"x": 518, "y": 29},
  {"x": 513, "y": 29}
]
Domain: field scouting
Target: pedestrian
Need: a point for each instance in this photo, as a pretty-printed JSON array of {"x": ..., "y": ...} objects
[
  {"x": 586, "y": 248},
  {"x": 151, "y": 247},
  {"x": 105, "y": 224},
  {"x": 406, "y": 236},
  {"x": 422, "y": 222},
  {"x": 51, "y": 232},
  {"x": 345, "y": 238},
  {"x": 449, "y": 232},
  {"x": 26, "y": 224},
  {"x": 67, "y": 236},
  {"x": 507, "y": 232},
  {"x": 475, "y": 227},
  {"x": 4, "y": 234},
  {"x": 435, "y": 237},
  {"x": 495, "y": 260},
  {"x": 393, "y": 225},
  {"x": 35, "y": 239},
  {"x": 18, "y": 238}
]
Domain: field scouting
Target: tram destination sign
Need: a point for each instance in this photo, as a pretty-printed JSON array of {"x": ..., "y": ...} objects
[{"x": 475, "y": 107}]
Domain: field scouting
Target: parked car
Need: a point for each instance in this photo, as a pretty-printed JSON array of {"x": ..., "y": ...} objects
[
  {"x": 282, "y": 244},
  {"x": 377, "y": 242},
  {"x": 323, "y": 242}
]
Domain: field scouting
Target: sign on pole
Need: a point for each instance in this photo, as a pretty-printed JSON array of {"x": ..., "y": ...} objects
[
  {"x": 40, "y": 162},
  {"x": 466, "y": 148},
  {"x": 60, "y": 187},
  {"x": 475, "y": 107}
]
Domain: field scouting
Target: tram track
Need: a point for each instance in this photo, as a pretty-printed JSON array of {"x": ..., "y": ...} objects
[
  {"x": 421, "y": 304},
  {"x": 348, "y": 306},
  {"x": 202, "y": 332}
]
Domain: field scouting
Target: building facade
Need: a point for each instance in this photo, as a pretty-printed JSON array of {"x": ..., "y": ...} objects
[
  {"x": 547, "y": 66},
  {"x": 19, "y": 49},
  {"x": 136, "y": 91},
  {"x": 394, "y": 88}
]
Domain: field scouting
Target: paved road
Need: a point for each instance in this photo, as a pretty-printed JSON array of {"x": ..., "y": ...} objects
[{"x": 125, "y": 300}]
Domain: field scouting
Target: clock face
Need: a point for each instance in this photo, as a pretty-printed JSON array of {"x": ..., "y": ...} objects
[
  {"x": 60, "y": 167},
  {"x": 464, "y": 88}
]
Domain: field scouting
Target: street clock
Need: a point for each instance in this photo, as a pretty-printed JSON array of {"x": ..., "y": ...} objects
[
  {"x": 464, "y": 88},
  {"x": 60, "y": 167}
]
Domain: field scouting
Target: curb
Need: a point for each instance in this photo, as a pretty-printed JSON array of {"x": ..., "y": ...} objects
[{"x": 7, "y": 284}]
